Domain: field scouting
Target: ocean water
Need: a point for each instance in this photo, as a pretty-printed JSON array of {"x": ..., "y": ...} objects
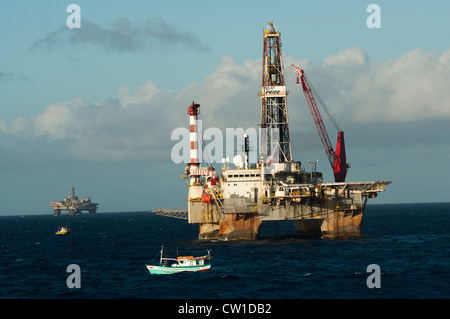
[{"x": 409, "y": 242}]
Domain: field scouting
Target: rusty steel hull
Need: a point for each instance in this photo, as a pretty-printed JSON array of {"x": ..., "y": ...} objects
[
  {"x": 208, "y": 231},
  {"x": 343, "y": 224},
  {"x": 228, "y": 226},
  {"x": 331, "y": 210},
  {"x": 308, "y": 219},
  {"x": 339, "y": 225},
  {"x": 239, "y": 227}
]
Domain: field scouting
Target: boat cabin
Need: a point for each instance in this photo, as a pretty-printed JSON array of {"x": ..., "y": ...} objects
[{"x": 184, "y": 261}]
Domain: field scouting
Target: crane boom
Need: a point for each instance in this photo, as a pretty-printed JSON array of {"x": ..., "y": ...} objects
[{"x": 337, "y": 159}]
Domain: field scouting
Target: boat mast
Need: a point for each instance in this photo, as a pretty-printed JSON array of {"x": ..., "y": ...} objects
[{"x": 160, "y": 259}]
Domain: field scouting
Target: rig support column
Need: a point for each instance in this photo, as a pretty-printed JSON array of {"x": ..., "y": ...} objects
[
  {"x": 239, "y": 226},
  {"x": 343, "y": 224}
]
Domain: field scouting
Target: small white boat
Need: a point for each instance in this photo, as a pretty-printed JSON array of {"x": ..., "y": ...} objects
[{"x": 180, "y": 264}]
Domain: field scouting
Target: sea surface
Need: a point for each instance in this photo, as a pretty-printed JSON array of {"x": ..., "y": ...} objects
[{"x": 409, "y": 242}]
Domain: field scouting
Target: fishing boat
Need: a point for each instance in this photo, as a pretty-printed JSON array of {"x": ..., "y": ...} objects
[
  {"x": 180, "y": 264},
  {"x": 63, "y": 230}
]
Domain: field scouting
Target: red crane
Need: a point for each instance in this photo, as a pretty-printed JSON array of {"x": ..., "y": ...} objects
[{"x": 336, "y": 158}]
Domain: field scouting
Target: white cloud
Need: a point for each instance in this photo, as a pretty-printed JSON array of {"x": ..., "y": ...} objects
[
  {"x": 141, "y": 94},
  {"x": 411, "y": 87},
  {"x": 61, "y": 120},
  {"x": 346, "y": 57},
  {"x": 137, "y": 124},
  {"x": 229, "y": 94}
]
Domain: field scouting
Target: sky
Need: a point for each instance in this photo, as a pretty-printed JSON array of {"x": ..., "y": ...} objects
[{"x": 95, "y": 107}]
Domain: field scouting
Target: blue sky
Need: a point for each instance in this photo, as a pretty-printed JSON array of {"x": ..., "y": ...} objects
[{"x": 94, "y": 107}]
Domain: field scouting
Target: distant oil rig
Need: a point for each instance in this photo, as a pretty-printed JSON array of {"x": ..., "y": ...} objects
[
  {"x": 74, "y": 205},
  {"x": 233, "y": 204}
]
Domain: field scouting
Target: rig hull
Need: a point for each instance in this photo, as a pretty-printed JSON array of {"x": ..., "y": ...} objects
[
  {"x": 245, "y": 226},
  {"x": 329, "y": 210}
]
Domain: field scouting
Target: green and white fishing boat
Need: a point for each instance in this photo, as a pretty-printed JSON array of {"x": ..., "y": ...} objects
[{"x": 180, "y": 264}]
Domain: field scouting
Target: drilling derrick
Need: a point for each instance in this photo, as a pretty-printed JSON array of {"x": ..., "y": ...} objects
[{"x": 275, "y": 142}]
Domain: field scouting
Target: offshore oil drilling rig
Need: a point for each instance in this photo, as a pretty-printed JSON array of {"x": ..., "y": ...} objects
[
  {"x": 74, "y": 205},
  {"x": 233, "y": 204}
]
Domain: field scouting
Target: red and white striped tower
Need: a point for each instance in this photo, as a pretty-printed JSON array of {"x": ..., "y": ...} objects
[
  {"x": 194, "y": 165},
  {"x": 193, "y": 110},
  {"x": 193, "y": 168}
]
